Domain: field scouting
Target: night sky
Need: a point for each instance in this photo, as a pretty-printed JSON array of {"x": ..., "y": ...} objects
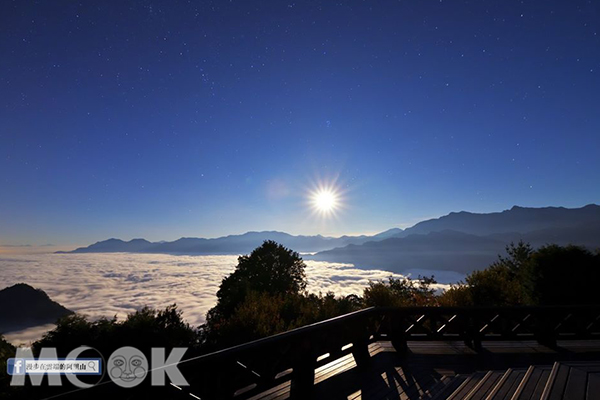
[{"x": 167, "y": 119}]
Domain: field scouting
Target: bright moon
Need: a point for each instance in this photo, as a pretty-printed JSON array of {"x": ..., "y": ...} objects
[{"x": 325, "y": 201}]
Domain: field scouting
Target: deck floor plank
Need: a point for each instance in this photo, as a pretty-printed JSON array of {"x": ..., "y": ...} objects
[
  {"x": 593, "y": 385},
  {"x": 411, "y": 376},
  {"x": 509, "y": 387},
  {"x": 488, "y": 385},
  {"x": 576, "y": 384}
]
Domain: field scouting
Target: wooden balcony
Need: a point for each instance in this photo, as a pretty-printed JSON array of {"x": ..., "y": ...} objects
[
  {"x": 414, "y": 352},
  {"x": 441, "y": 353}
]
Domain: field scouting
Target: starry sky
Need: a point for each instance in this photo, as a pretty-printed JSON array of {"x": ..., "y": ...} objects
[{"x": 162, "y": 119}]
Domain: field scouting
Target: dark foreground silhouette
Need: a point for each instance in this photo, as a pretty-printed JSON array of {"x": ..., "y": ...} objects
[{"x": 266, "y": 294}]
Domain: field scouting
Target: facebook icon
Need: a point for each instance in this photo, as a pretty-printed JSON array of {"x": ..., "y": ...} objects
[{"x": 15, "y": 366}]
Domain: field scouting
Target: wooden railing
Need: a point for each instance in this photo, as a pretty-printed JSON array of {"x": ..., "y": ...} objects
[
  {"x": 473, "y": 325},
  {"x": 264, "y": 363}
]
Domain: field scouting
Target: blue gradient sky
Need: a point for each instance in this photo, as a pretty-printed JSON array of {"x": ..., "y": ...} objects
[{"x": 169, "y": 119}]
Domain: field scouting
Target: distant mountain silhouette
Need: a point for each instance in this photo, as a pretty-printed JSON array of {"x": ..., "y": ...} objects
[
  {"x": 388, "y": 234},
  {"x": 460, "y": 241},
  {"x": 517, "y": 219},
  {"x": 115, "y": 246},
  {"x": 464, "y": 241},
  {"x": 22, "y": 306},
  {"x": 233, "y": 244},
  {"x": 447, "y": 250}
]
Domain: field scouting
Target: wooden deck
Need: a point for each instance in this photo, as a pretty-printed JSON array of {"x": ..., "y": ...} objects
[
  {"x": 435, "y": 353},
  {"x": 406, "y": 352},
  {"x": 431, "y": 369}
]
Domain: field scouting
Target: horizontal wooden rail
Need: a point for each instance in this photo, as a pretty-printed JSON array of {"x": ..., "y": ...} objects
[
  {"x": 546, "y": 324},
  {"x": 263, "y": 363}
]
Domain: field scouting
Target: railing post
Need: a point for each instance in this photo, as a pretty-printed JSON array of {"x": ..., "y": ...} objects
[
  {"x": 303, "y": 377},
  {"x": 360, "y": 352},
  {"x": 360, "y": 344},
  {"x": 433, "y": 326},
  {"x": 544, "y": 333},
  {"x": 400, "y": 344},
  {"x": 472, "y": 335},
  {"x": 397, "y": 334}
]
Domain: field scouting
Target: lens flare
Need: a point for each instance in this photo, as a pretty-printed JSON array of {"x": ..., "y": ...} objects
[{"x": 325, "y": 200}]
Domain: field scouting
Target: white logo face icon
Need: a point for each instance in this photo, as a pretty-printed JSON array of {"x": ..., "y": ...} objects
[{"x": 127, "y": 367}]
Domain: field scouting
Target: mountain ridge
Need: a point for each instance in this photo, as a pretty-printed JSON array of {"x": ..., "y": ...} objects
[
  {"x": 474, "y": 241},
  {"x": 521, "y": 219},
  {"x": 40, "y": 308},
  {"x": 458, "y": 241},
  {"x": 230, "y": 244}
]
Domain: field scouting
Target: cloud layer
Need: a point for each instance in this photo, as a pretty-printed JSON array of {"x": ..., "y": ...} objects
[{"x": 100, "y": 285}]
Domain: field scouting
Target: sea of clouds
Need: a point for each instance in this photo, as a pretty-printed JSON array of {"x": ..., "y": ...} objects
[{"x": 105, "y": 285}]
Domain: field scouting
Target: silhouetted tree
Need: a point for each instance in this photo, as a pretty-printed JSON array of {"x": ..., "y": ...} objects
[
  {"x": 7, "y": 351},
  {"x": 400, "y": 292},
  {"x": 457, "y": 295},
  {"x": 266, "y": 295},
  {"x": 550, "y": 275},
  {"x": 562, "y": 275},
  {"x": 500, "y": 284},
  {"x": 496, "y": 285},
  {"x": 142, "y": 329},
  {"x": 270, "y": 268},
  {"x": 518, "y": 256}
]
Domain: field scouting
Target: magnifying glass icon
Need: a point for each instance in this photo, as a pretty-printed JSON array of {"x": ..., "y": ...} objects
[{"x": 92, "y": 366}]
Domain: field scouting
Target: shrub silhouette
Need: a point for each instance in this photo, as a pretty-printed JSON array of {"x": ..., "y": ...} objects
[
  {"x": 142, "y": 329},
  {"x": 550, "y": 275},
  {"x": 7, "y": 351},
  {"x": 400, "y": 292},
  {"x": 562, "y": 275}
]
